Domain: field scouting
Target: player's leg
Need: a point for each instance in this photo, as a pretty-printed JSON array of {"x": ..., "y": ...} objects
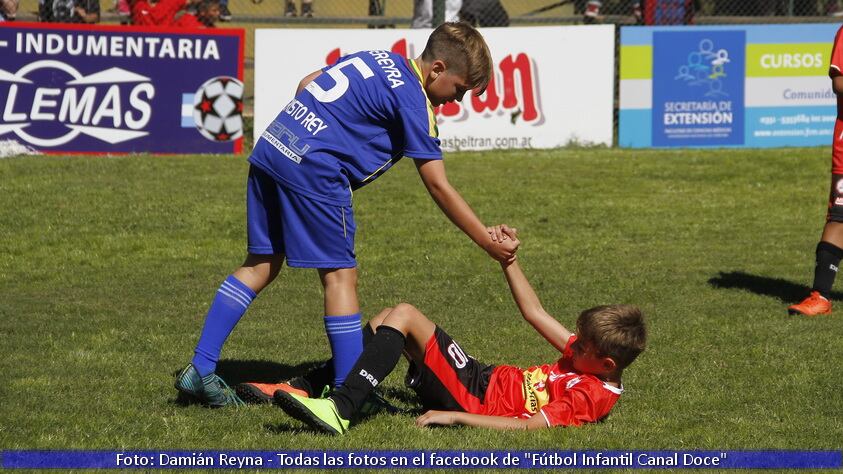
[
  {"x": 345, "y": 333},
  {"x": 444, "y": 377},
  {"x": 316, "y": 381},
  {"x": 320, "y": 235},
  {"x": 230, "y": 303},
  {"x": 343, "y": 321},
  {"x": 404, "y": 327},
  {"x": 829, "y": 252},
  {"x": 235, "y": 294}
]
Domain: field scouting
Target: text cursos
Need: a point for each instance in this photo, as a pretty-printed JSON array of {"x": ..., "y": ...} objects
[{"x": 791, "y": 60}]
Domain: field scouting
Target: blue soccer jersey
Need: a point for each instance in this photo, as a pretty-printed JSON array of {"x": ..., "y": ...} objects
[{"x": 349, "y": 126}]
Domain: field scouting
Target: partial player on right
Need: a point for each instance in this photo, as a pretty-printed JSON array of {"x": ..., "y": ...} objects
[{"x": 830, "y": 248}]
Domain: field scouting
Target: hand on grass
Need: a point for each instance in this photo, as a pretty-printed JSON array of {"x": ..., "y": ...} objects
[{"x": 436, "y": 417}]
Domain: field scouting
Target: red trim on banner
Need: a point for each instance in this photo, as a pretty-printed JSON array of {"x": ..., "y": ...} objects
[{"x": 130, "y": 29}]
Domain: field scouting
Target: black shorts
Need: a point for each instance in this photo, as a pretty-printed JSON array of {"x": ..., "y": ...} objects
[
  {"x": 449, "y": 379},
  {"x": 835, "y": 199}
]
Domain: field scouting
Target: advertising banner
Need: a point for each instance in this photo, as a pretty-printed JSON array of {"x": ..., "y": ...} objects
[
  {"x": 100, "y": 89},
  {"x": 552, "y": 85},
  {"x": 752, "y": 86}
]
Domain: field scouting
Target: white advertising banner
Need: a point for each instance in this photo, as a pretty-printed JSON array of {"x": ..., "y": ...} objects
[{"x": 553, "y": 85}]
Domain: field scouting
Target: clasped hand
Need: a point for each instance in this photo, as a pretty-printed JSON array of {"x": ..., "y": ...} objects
[{"x": 504, "y": 242}]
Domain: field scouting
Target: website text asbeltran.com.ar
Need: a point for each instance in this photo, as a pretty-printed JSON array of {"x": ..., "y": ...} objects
[{"x": 457, "y": 143}]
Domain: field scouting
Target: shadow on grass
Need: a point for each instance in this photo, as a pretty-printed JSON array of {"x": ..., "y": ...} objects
[
  {"x": 234, "y": 372},
  {"x": 263, "y": 371},
  {"x": 784, "y": 290}
]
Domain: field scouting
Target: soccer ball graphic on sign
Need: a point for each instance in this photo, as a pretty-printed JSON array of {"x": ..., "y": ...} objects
[{"x": 218, "y": 109}]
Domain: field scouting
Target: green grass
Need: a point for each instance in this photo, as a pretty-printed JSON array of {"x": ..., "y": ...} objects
[{"x": 109, "y": 263}]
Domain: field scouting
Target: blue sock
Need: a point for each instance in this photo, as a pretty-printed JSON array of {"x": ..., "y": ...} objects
[
  {"x": 229, "y": 305},
  {"x": 345, "y": 334}
]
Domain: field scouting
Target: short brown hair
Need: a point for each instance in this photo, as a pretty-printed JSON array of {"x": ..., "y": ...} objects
[
  {"x": 464, "y": 52},
  {"x": 617, "y": 331}
]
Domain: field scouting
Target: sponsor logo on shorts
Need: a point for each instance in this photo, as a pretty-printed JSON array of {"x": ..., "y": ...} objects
[
  {"x": 838, "y": 201},
  {"x": 839, "y": 186},
  {"x": 369, "y": 377}
]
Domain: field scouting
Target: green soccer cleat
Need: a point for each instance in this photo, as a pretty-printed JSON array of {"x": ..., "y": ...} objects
[
  {"x": 211, "y": 390},
  {"x": 318, "y": 413}
]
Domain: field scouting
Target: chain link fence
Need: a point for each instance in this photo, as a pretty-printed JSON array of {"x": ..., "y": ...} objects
[{"x": 425, "y": 13}]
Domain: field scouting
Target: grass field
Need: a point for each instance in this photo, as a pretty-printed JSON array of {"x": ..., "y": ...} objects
[{"x": 109, "y": 263}]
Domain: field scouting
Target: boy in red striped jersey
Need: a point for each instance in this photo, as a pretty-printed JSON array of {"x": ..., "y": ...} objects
[{"x": 581, "y": 387}]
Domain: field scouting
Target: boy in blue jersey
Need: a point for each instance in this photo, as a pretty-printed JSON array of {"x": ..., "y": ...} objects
[{"x": 347, "y": 125}]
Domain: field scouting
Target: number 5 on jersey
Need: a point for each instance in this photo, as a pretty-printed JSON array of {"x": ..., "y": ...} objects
[{"x": 340, "y": 79}]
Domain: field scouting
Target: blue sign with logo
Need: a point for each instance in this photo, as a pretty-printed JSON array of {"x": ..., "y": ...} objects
[
  {"x": 698, "y": 88},
  {"x": 84, "y": 89}
]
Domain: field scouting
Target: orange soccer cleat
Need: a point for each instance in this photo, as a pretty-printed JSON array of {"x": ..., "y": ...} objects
[
  {"x": 813, "y": 305},
  {"x": 257, "y": 393}
]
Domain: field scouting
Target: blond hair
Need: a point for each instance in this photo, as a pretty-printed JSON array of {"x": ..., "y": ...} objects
[
  {"x": 464, "y": 52},
  {"x": 617, "y": 331}
]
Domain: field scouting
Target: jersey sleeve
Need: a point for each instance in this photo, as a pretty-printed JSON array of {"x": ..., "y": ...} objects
[
  {"x": 835, "y": 67},
  {"x": 575, "y": 407},
  {"x": 421, "y": 136},
  {"x": 568, "y": 352}
]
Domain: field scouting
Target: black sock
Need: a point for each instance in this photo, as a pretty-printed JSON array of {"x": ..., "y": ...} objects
[
  {"x": 313, "y": 381},
  {"x": 828, "y": 259},
  {"x": 378, "y": 359},
  {"x": 368, "y": 334}
]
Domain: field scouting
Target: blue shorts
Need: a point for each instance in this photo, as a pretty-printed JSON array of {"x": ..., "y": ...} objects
[{"x": 310, "y": 233}]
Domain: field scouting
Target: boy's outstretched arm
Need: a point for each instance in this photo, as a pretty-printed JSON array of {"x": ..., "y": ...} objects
[
  {"x": 433, "y": 176},
  {"x": 435, "y": 417},
  {"x": 529, "y": 305}
]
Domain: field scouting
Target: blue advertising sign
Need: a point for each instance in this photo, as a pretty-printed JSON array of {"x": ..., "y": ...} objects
[
  {"x": 698, "y": 88},
  {"x": 117, "y": 89},
  {"x": 726, "y": 85}
]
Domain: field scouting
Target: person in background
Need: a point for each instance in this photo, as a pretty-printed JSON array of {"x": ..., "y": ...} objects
[
  {"x": 8, "y": 9},
  {"x": 225, "y": 13},
  {"x": 423, "y": 12},
  {"x": 124, "y": 11},
  {"x": 290, "y": 8},
  {"x": 206, "y": 16},
  {"x": 155, "y": 12},
  {"x": 69, "y": 11},
  {"x": 484, "y": 13}
]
